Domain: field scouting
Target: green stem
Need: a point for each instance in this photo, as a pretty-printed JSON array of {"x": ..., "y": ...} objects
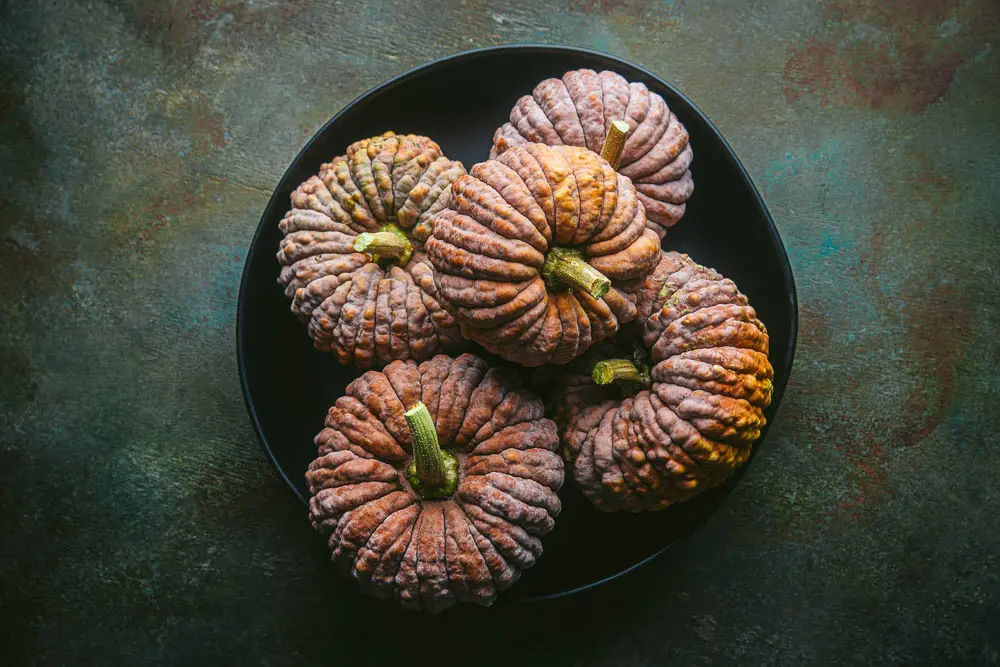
[
  {"x": 618, "y": 370},
  {"x": 566, "y": 266},
  {"x": 388, "y": 244},
  {"x": 433, "y": 471}
]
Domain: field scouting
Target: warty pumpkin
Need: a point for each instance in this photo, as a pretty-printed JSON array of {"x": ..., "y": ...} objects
[
  {"x": 533, "y": 248},
  {"x": 352, "y": 254},
  {"x": 435, "y": 482},
  {"x": 580, "y": 109},
  {"x": 673, "y": 406}
]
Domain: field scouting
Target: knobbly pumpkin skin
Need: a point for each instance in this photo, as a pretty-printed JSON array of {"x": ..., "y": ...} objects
[
  {"x": 365, "y": 308},
  {"x": 578, "y": 110},
  {"x": 471, "y": 536},
  {"x": 688, "y": 414},
  {"x": 511, "y": 223}
]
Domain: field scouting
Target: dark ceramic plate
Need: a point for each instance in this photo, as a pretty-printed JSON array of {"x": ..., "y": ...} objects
[{"x": 459, "y": 101}]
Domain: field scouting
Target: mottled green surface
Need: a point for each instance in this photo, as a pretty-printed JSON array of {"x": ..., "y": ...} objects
[{"x": 141, "y": 523}]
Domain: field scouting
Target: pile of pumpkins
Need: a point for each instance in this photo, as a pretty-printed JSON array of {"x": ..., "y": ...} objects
[{"x": 436, "y": 477}]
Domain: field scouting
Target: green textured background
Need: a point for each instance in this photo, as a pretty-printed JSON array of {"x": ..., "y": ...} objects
[{"x": 140, "y": 521}]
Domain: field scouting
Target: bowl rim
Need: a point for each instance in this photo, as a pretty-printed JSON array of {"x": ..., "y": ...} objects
[{"x": 730, "y": 154}]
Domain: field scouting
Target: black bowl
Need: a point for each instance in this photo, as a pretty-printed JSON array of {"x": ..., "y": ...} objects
[{"x": 459, "y": 101}]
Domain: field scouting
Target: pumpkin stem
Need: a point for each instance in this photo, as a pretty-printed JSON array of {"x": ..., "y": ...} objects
[
  {"x": 618, "y": 370},
  {"x": 566, "y": 266},
  {"x": 433, "y": 471},
  {"x": 614, "y": 143},
  {"x": 389, "y": 245}
]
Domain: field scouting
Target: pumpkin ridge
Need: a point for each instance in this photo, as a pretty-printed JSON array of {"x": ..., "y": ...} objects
[
  {"x": 519, "y": 120},
  {"x": 478, "y": 440},
  {"x": 547, "y": 232},
  {"x": 615, "y": 95},
  {"x": 433, "y": 590},
  {"x": 389, "y": 196},
  {"x": 415, "y": 202},
  {"x": 609, "y": 202},
  {"x": 348, "y": 196},
  {"x": 498, "y": 582},
  {"x": 570, "y": 323},
  {"x": 465, "y": 443},
  {"x": 679, "y": 167},
  {"x": 551, "y": 504},
  {"x": 495, "y": 207},
  {"x": 619, "y": 442},
  {"x": 572, "y": 106},
  {"x": 667, "y": 442},
  {"x": 426, "y": 218},
  {"x": 395, "y": 315},
  {"x": 534, "y": 115},
  {"x": 367, "y": 546},
  {"x": 360, "y": 319},
  {"x": 546, "y": 108},
  {"x": 458, "y": 574},
  {"x": 444, "y": 549},
  {"x": 420, "y": 150},
  {"x": 661, "y": 406},
  {"x": 419, "y": 325},
  {"x": 656, "y": 104},
  {"x": 402, "y": 594},
  {"x": 386, "y": 585},
  {"x": 604, "y": 115},
  {"x": 363, "y": 176},
  {"x": 560, "y": 187},
  {"x": 380, "y": 327},
  {"x": 577, "y": 81},
  {"x": 355, "y": 525},
  {"x": 580, "y": 213},
  {"x": 517, "y": 327},
  {"x": 710, "y": 300},
  {"x": 675, "y": 192},
  {"x": 499, "y": 246},
  {"x": 674, "y": 135},
  {"x": 629, "y": 212},
  {"x": 550, "y": 238},
  {"x": 323, "y": 337},
  {"x": 649, "y": 475},
  {"x": 521, "y": 545},
  {"x": 500, "y": 504},
  {"x": 695, "y": 444},
  {"x": 707, "y": 336},
  {"x": 464, "y": 377},
  {"x": 428, "y": 290}
]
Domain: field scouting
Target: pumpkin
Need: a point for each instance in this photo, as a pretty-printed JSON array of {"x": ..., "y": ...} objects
[
  {"x": 352, "y": 254},
  {"x": 435, "y": 482},
  {"x": 673, "y": 406},
  {"x": 533, "y": 248},
  {"x": 580, "y": 109}
]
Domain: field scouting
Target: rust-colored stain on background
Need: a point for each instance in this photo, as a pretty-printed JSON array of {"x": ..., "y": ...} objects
[{"x": 897, "y": 54}]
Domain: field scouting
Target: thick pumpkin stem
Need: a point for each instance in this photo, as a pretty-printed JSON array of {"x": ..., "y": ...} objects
[
  {"x": 614, "y": 143},
  {"x": 618, "y": 370},
  {"x": 566, "y": 266},
  {"x": 433, "y": 471},
  {"x": 388, "y": 245}
]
